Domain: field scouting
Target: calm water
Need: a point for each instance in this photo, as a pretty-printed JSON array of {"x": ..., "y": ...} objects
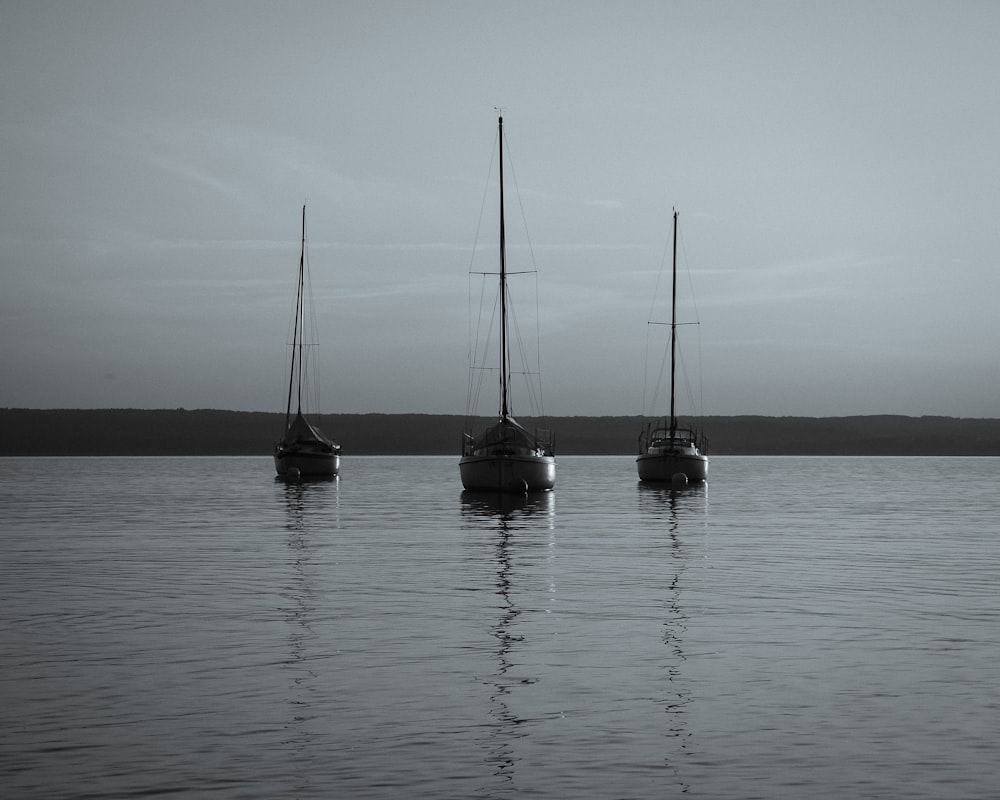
[{"x": 801, "y": 628}]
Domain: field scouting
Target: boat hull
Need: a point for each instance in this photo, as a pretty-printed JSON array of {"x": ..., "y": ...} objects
[
  {"x": 508, "y": 473},
  {"x": 307, "y": 465},
  {"x": 663, "y": 467}
]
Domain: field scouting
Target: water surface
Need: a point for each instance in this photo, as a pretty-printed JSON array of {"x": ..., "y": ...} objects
[{"x": 801, "y": 627}]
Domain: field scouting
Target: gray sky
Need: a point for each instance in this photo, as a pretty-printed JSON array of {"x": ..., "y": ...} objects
[{"x": 835, "y": 165}]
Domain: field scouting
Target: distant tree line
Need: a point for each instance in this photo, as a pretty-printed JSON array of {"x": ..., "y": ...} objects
[{"x": 130, "y": 432}]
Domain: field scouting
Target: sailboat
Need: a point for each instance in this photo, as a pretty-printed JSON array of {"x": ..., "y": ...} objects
[
  {"x": 669, "y": 452},
  {"x": 303, "y": 451},
  {"x": 506, "y": 457}
]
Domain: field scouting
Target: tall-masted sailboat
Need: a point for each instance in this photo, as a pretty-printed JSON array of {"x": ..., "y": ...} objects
[
  {"x": 669, "y": 452},
  {"x": 506, "y": 457},
  {"x": 304, "y": 451}
]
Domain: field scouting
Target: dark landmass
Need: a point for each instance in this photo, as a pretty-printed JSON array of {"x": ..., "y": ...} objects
[{"x": 126, "y": 432}]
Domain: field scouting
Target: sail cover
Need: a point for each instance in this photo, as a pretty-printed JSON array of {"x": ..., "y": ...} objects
[{"x": 301, "y": 431}]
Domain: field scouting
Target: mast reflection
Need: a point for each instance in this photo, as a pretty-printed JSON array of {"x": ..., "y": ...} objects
[
  {"x": 675, "y": 511},
  {"x": 508, "y": 515},
  {"x": 308, "y": 505}
]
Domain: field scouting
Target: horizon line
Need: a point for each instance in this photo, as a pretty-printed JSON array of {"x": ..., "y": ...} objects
[{"x": 490, "y": 416}]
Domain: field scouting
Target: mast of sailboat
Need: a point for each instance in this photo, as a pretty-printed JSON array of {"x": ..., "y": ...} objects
[
  {"x": 504, "y": 365},
  {"x": 298, "y": 333},
  {"x": 673, "y": 333},
  {"x": 302, "y": 300}
]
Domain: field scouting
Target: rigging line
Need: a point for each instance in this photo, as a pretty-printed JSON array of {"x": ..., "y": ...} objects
[
  {"x": 533, "y": 386},
  {"x": 659, "y": 277},
  {"x": 693, "y": 404},
  {"x": 315, "y": 367},
  {"x": 514, "y": 326},
  {"x": 523, "y": 353},
  {"x": 654, "y": 396},
  {"x": 535, "y": 391},
  {"x": 477, "y": 356},
  {"x": 645, "y": 373},
  {"x": 474, "y": 338},
  {"x": 690, "y": 277},
  {"x": 687, "y": 379},
  {"x": 651, "y": 388},
  {"x": 289, "y": 356},
  {"x": 482, "y": 204},
  {"x": 475, "y": 386},
  {"x": 298, "y": 334},
  {"x": 701, "y": 378},
  {"x": 538, "y": 348},
  {"x": 520, "y": 205},
  {"x": 699, "y": 405},
  {"x": 485, "y": 352},
  {"x": 666, "y": 353},
  {"x": 479, "y": 226},
  {"x": 473, "y": 345},
  {"x": 306, "y": 293},
  {"x": 659, "y": 379},
  {"x": 508, "y": 272}
]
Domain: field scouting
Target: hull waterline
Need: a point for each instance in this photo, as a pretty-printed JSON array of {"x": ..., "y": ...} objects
[
  {"x": 508, "y": 473},
  {"x": 665, "y": 467},
  {"x": 302, "y": 465}
]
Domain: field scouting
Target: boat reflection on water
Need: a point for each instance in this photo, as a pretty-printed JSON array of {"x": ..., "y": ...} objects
[
  {"x": 308, "y": 504},
  {"x": 508, "y": 516},
  {"x": 681, "y": 515},
  {"x": 679, "y": 496},
  {"x": 294, "y": 478},
  {"x": 520, "y": 507}
]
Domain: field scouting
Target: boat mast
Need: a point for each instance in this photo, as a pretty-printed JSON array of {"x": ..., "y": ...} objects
[
  {"x": 673, "y": 334},
  {"x": 301, "y": 303},
  {"x": 297, "y": 331},
  {"x": 504, "y": 365}
]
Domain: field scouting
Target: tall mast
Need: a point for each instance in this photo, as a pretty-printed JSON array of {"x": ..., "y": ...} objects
[
  {"x": 300, "y": 320},
  {"x": 297, "y": 330},
  {"x": 673, "y": 333},
  {"x": 504, "y": 365}
]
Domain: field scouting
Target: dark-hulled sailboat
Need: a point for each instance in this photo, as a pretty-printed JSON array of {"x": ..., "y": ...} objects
[{"x": 303, "y": 451}]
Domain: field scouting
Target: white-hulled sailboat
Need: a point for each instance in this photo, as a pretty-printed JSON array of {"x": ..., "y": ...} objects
[
  {"x": 506, "y": 457},
  {"x": 668, "y": 452},
  {"x": 303, "y": 451}
]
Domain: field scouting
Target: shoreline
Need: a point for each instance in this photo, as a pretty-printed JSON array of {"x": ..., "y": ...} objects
[{"x": 137, "y": 432}]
